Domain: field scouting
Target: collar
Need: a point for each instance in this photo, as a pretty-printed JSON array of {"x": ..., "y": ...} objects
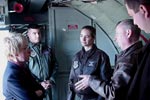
[{"x": 132, "y": 48}]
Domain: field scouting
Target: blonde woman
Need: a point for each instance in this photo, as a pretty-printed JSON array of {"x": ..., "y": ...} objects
[{"x": 18, "y": 83}]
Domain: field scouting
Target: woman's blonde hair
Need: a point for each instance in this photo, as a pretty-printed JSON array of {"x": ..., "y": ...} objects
[{"x": 13, "y": 44}]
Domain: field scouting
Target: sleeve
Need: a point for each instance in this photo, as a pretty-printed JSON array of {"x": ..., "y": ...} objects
[
  {"x": 20, "y": 89},
  {"x": 116, "y": 88},
  {"x": 105, "y": 68}
]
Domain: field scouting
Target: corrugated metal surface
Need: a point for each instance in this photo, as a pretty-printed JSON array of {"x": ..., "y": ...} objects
[{"x": 106, "y": 13}]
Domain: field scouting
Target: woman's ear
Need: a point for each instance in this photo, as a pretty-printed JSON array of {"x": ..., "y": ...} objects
[{"x": 143, "y": 9}]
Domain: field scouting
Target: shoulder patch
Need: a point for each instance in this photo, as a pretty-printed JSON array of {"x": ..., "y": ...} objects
[{"x": 75, "y": 64}]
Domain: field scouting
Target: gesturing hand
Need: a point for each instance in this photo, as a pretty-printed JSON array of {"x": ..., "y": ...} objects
[{"x": 83, "y": 83}]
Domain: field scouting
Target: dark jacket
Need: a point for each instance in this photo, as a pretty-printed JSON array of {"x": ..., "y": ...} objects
[
  {"x": 18, "y": 83},
  {"x": 93, "y": 62},
  {"x": 125, "y": 67},
  {"x": 140, "y": 86}
]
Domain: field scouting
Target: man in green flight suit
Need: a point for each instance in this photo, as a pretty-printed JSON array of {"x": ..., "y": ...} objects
[{"x": 42, "y": 62}]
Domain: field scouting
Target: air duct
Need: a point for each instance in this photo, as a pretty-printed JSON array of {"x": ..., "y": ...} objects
[{"x": 36, "y": 5}]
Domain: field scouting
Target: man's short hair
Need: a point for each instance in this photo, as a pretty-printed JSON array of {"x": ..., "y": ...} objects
[
  {"x": 129, "y": 24},
  {"x": 134, "y": 4},
  {"x": 34, "y": 26}
]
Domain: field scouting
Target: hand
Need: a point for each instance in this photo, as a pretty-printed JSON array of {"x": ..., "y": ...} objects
[
  {"x": 46, "y": 84},
  {"x": 39, "y": 93},
  {"x": 83, "y": 83}
]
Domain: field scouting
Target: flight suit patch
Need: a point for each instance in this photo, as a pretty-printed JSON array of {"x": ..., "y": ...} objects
[
  {"x": 75, "y": 64},
  {"x": 91, "y": 63}
]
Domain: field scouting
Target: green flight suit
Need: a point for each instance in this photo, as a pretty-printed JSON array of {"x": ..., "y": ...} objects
[{"x": 43, "y": 65}]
